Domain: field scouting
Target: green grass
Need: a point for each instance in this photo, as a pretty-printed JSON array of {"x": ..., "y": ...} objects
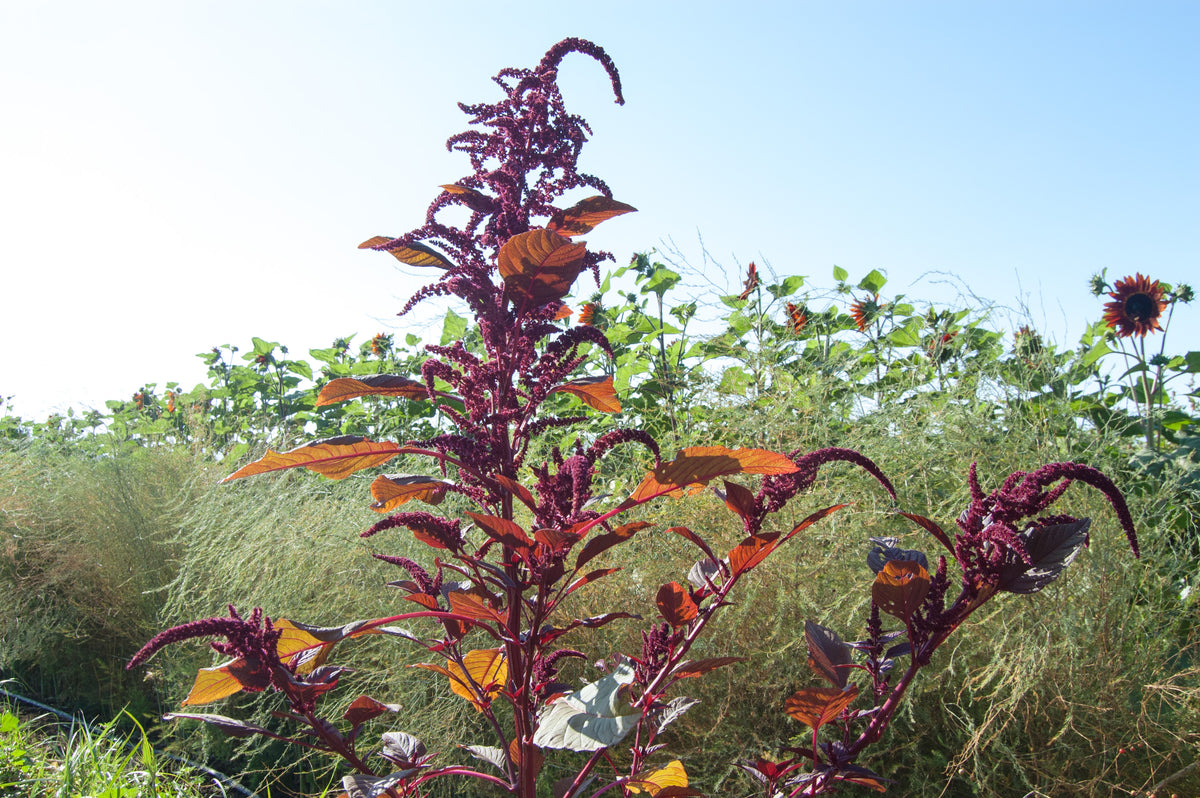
[
  {"x": 1091, "y": 687},
  {"x": 43, "y": 758}
]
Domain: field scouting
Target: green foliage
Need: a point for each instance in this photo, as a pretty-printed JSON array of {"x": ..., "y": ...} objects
[{"x": 44, "y": 759}]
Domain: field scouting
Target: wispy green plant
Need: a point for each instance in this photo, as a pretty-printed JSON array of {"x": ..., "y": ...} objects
[{"x": 46, "y": 758}]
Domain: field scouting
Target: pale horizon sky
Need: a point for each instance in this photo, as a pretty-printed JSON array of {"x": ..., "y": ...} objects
[{"x": 176, "y": 176}]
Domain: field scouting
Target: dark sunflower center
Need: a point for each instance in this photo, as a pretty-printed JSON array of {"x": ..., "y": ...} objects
[{"x": 1140, "y": 307}]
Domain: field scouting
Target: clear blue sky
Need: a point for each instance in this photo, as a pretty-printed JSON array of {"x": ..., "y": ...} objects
[{"x": 175, "y": 176}]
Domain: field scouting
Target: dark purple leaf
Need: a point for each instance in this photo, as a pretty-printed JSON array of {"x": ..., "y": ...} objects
[
  {"x": 827, "y": 654},
  {"x": 885, "y": 550},
  {"x": 230, "y": 726},
  {"x": 1052, "y": 548}
]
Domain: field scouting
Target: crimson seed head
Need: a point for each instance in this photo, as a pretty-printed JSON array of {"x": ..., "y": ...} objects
[{"x": 252, "y": 639}]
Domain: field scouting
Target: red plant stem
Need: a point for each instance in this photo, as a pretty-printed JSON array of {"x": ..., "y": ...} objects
[
  {"x": 882, "y": 718},
  {"x": 456, "y": 770},
  {"x": 337, "y": 744}
]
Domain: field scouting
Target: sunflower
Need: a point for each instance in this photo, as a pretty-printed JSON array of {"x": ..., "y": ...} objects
[
  {"x": 864, "y": 311},
  {"x": 797, "y": 317},
  {"x": 1137, "y": 303},
  {"x": 751, "y": 281},
  {"x": 587, "y": 313}
]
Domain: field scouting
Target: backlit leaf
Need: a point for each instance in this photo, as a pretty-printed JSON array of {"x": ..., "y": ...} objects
[
  {"x": 345, "y": 388},
  {"x": 752, "y": 551},
  {"x": 698, "y": 464},
  {"x": 739, "y": 499},
  {"x": 365, "y": 708},
  {"x": 591, "y": 576},
  {"x": 558, "y": 541},
  {"x": 590, "y": 718},
  {"x": 336, "y": 458},
  {"x": 856, "y": 774},
  {"x": 473, "y": 199},
  {"x": 539, "y": 266},
  {"x": 689, "y": 670},
  {"x": 213, "y": 684},
  {"x": 392, "y": 490},
  {"x": 900, "y": 587},
  {"x": 816, "y": 706},
  {"x": 828, "y": 655},
  {"x": 653, "y": 783},
  {"x": 536, "y": 757},
  {"x": 812, "y": 519},
  {"x": 487, "y": 668},
  {"x": 516, "y": 489},
  {"x": 293, "y": 639},
  {"x": 415, "y": 254},
  {"x": 583, "y": 216},
  {"x": 596, "y": 392},
  {"x": 502, "y": 530},
  {"x": 684, "y": 532},
  {"x": 932, "y": 528},
  {"x": 608, "y": 540},
  {"x": 675, "y": 604},
  {"x": 471, "y": 605}
]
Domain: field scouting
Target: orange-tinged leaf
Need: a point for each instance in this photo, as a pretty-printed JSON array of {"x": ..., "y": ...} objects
[
  {"x": 473, "y": 199},
  {"x": 346, "y": 388},
  {"x": 487, "y": 668},
  {"x": 435, "y": 668},
  {"x": 536, "y": 757},
  {"x": 364, "y": 708},
  {"x": 502, "y": 530},
  {"x": 597, "y": 393},
  {"x": 516, "y": 489},
  {"x": 675, "y": 604},
  {"x": 293, "y": 639},
  {"x": 739, "y": 499},
  {"x": 698, "y": 464},
  {"x": 812, "y": 519},
  {"x": 752, "y": 551},
  {"x": 608, "y": 540},
  {"x": 590, "y": 576},
  {"x": 415, "y": 254},
  {"x": 583, "y": 216},
  {"x": 539, "y": 267},
  {"x": 900, "y": 587},
  {"x": 683, "y": 531},
  {"x": 471, "y": 605},
  {"x": 213, "y": 684},
  {"x": 692, "y": 669},
  {"x": 655, "y": 782},
  {"x": 932, "y": 528},
  {"x": 751, "y": 281},
  {"x": 816, "y": 706},
  {"x": 424, "y": 599},
  {"x": 557, "y": 540},
  {"x": 336, "y": 458},
  {"x": 392, "y": 490}
]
